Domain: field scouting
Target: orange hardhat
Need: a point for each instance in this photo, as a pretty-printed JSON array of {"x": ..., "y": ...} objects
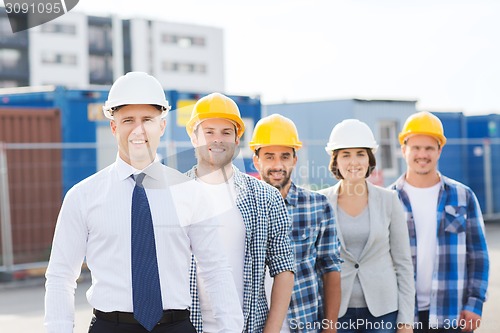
[
  {"x": 215, "y": 105},
  {"x": 275, "y": 130},
  {"x": 423, "y": 123}
]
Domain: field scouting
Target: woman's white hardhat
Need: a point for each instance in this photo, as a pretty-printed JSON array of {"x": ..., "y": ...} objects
[{"x": 351, "y": 133}]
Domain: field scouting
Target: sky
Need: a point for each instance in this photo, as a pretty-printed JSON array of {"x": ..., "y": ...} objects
[{"x": 445, "y": 54}]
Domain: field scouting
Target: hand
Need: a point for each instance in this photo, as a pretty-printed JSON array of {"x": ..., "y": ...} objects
[
  {"x": 470, "y": 320},
  {"x": 329, "y": 330}
]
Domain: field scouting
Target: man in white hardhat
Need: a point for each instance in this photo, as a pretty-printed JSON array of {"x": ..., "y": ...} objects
[
  {"x": 136, "y": 223},
  {"x": 254, "y": 220}
]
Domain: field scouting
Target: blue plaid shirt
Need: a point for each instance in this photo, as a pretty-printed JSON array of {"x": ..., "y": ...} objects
[
  {"x": 317, "y": 251},
  {"x": 460, "y": 276},
  {"x": 267, "y": 243}
]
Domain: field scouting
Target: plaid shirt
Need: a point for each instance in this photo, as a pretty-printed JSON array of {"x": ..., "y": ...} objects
[
  {"x": 317, "y": 251},
  {"x": 460, "y": 276},
  {"x": 267, "y": 243}
]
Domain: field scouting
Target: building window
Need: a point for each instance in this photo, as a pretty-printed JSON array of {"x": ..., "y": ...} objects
[
  {"x": 388, "y": 148},
  {"x": 179, "y": 67},
  {"x": 183, "y": 41},
  {"x": 5, "y": 29},
  {"x": 100, "y": 67},
  {"x": 9, "y": 84},
  {"x": 99, "y": 36},
  {"x": 58, "y": 28},
  {"x": 9, "y": 58},
  {"x": 200, "y": 68},
  {"x": 59, "y": 58}
]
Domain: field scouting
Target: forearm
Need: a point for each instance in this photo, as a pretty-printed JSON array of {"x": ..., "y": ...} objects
[
  {"x": 63, "y": 270},
  {"x": 215, "y": 274},
  {"x": 401, "y": 258},
  {"x": 59, "y": 304},
  {"x": 280, "y": 301},
  {"x": 331, "y": 296},
  {"x": 224, "y": 301},
  {"x": 477, "y": 271}
]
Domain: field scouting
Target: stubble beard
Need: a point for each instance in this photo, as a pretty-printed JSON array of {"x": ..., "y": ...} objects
[
  {"x": 420, "y": 172},
  {"x": 281, "y": 184},
  {"x": 214, "y": 161}
]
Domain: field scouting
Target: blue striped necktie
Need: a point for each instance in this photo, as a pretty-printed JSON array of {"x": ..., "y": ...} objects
[{"x": 148, "y": 308}]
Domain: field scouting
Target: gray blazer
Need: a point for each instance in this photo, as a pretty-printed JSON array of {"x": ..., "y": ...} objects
[{"x": 385, "y": 267}]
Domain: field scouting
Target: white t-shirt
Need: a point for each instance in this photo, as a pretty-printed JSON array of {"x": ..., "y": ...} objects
[
  {"x": 232, "y": 233},
  {"x": 424, "y": 207}
]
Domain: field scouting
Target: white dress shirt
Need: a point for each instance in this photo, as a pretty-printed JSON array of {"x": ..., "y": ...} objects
[{"x": 95, "y": 224}]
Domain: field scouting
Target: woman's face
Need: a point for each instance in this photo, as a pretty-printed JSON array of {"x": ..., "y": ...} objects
[{"x": 353, "y": 163}]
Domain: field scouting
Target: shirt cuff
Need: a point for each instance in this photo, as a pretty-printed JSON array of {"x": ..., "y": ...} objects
[
  {"x": 59, "y": 327},
  {"x": 475, "y": 305}
]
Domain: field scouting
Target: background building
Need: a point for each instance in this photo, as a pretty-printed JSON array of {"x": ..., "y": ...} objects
[
  {"x": 76, "y": 50},
  {"x": 315, "y": 121}
]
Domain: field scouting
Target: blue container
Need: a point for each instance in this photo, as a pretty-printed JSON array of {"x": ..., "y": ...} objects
[
  {"x": 484, "y": 130},
  {"x": 182, "y": 103},
  {"x": 453, "y": 161},
  {"x": 75, "y": 124},
  {"x": 81, "y": 115}
]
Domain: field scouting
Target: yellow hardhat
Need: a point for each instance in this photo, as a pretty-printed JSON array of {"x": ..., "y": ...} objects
[
  {"x": 215, "y": 105},
  {"x": 275, "y": 130},
  {"x": 424, "y": 123}
]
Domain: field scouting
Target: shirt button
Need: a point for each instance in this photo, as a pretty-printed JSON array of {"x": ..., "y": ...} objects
[{"x": 356, "y": 266}]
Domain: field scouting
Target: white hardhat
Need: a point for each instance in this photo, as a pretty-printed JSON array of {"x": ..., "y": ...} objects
[
  {"x": 351, "y": 133},
  {"x": 135, "y": 88}
]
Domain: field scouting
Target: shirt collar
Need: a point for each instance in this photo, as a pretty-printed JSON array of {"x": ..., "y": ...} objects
[
  {"x": 125, "y": 170},
  {"x": 292, "y": 197},
  {"x": 239, "y": 180},
  {"x": 402, "y": 180}
]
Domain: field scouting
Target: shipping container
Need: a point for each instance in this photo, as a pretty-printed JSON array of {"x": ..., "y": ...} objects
[
  {"x": 54, "y": 137},
  {"x": 84, "y": 126},
  {"x": 180, "y": 154},
  {"x": 484, "y": 158},
  {"x": 454, "y": 157},
  {"x": 77, "y": 123},
  {"x": 31, "y": 181}
]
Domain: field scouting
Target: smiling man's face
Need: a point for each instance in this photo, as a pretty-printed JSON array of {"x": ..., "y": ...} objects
[
  {"x": 138, "y": 129},
  {"x": 275, "y": 165},
  {"x": 215, "y": 141}
]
